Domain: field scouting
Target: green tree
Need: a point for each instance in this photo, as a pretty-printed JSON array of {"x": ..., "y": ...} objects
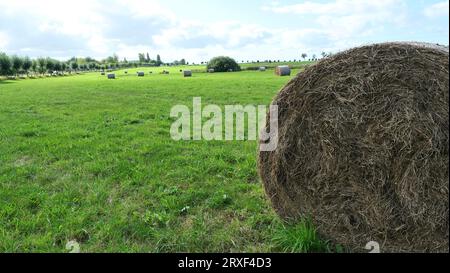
[
  {"x": 50, "y": 65},
  {"x": 5, "y": 64},
  {"x": 17, "y": 63},
  {"x": 90, "y": 60},
  {"x": 223, "y": 64},
  {"x": 74, "y": 66},
  {"x": 42, "y": 65},
  {"x": 141, "y": 57},
  {"x": 57, "y": 66},
  {"x": 158, "y": 60},
  {"x": 27, "y": 63},
  {"x": 34, "y": 66}
]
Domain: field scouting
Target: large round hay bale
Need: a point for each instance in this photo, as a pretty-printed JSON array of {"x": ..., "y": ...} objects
[
  {"x": 283, "y": 70},
  {"x": 363, "y": 148}
]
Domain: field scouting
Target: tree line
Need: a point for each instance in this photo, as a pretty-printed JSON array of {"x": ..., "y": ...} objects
[
  {"x": 144, "y": 58},
  {"x": 18, "y": 65},
  {"x": 15, "y": 65}
]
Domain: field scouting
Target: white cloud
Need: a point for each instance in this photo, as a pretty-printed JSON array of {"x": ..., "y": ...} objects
[
  {"x": 196, "y": 34},
  {"x": 437, "y": 10},
  {"x": 340, "y": 24},
  {"x": 347, "y": 18},
  {"x": 100, "y": 28},
  {"x": 57, "y": 16},
  {"x": 79, "y": 27},
  {"x": 337, "y": 7},
  {"x": 4, "y": 40},
  {"x": 147, "y": 8}
]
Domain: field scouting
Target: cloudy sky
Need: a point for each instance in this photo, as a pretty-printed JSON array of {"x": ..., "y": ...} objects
[{"x": 200, "y": 29}]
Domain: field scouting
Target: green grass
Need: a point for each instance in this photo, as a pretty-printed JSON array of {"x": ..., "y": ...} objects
[
  {"x": 89, "y": 159},
  {"x": 299, "y": 238}
]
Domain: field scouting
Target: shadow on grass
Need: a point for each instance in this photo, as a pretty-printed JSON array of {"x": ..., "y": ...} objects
[{"x": 7, "y": 81}]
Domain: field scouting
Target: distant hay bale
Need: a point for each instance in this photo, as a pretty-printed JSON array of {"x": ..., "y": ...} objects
[
  {"x": 283, "y": 70},
  {"x": 140, "y": 74},
  {"x": 230, "y": 70},
  {"x": 187, "y": 73},
  {"x": 363, "y": 148},
  {"x": 262, "y": 68},
  {"x": 111, "y": 76},
  {"x": 211, "y": 70}
]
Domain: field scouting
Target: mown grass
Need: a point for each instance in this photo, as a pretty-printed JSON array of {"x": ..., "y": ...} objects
[{"x": 89, "y": 159}]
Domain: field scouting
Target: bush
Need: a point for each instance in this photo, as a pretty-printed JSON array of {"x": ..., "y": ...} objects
[{"x": 223, "y": 64}]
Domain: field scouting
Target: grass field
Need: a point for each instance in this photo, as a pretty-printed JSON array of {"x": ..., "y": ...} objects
[
  {"x": 89, "y": 159},
  {"x": 274, "y": 64}
]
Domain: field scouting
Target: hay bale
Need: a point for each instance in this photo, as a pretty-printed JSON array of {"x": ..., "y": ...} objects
[
  {"x": 283, "y": 70},
  {"x": 140, "y": 74},
  {"x": 262, "y": 68},
  {"x": 187, "y": 73},
  {"x": 363, "y": 148},
  {"x": 211, "y": 70},
  {"x": 111, "y": 76}
]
